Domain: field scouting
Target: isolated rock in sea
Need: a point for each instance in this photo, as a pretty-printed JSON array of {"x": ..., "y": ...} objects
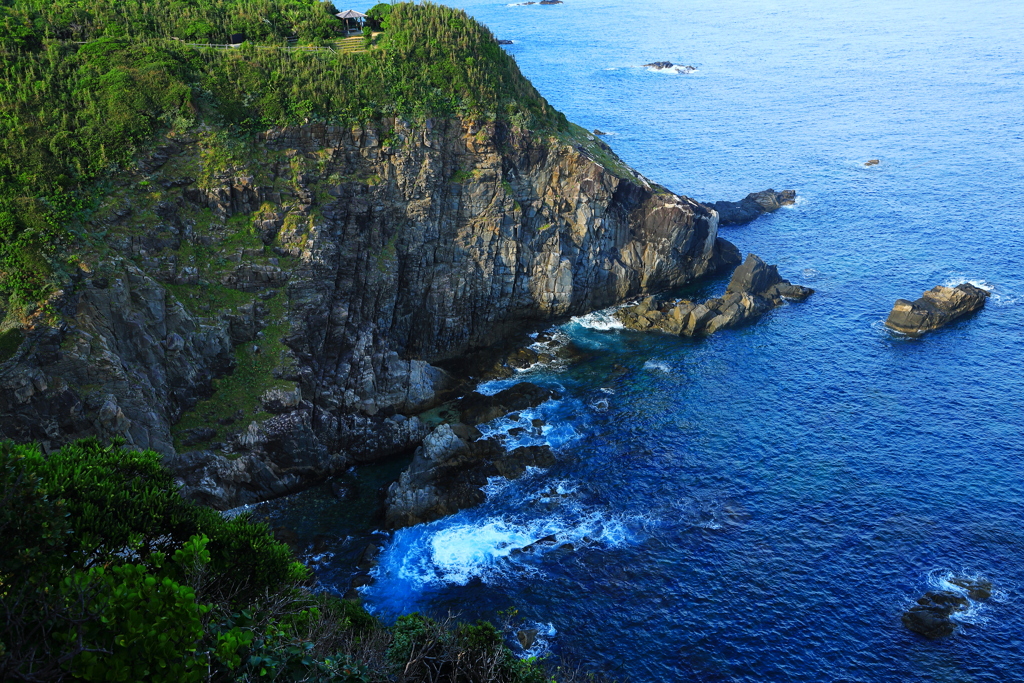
[
  {"x": 977, "y": 589},
  {"x": 939, "y": 306},
  {"x": 504, "y": 42},
  {"x": 752, "y": 206},
  {"x": 599, "y": 132},
  {"x": 755, "y": 289},
  {"x": 872, "y": 162}
]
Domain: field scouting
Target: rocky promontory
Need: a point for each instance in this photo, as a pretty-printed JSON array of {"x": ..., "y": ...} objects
[
  {"x": 753, "y": 205},
  {"x": 755, "y": 289},
  {"x": 938, "y": 306},
  {"x": 279, "y": 318}
]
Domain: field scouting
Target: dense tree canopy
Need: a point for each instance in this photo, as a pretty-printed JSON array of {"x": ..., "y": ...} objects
[{"x": 87, "y": 83}]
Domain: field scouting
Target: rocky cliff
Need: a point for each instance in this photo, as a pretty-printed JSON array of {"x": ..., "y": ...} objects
[{"x": 268, "y": 312}]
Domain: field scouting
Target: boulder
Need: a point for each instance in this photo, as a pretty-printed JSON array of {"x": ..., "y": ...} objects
[
  {"x": 872, "y": 162},
  {"x": 938, "y": 306},
  {"x": 753, "y": 205}
]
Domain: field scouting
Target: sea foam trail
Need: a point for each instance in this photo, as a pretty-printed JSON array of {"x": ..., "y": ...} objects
[
  {"x": 598, "y": 320},
  {"x": 493, "y": 549}
]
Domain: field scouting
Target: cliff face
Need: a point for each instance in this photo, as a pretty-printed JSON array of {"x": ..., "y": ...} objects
[{"x": 317, "y": 274}]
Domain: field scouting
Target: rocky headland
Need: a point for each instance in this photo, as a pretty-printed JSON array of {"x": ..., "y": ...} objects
[
  {"x": 753, "y": 205},
  {"x": 270, "y": 321},
  {"x": 755, "y": 289},
  {"x": 937, "y": 307}
]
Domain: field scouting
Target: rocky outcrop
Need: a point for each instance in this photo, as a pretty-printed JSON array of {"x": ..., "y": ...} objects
[
  {"x": 382, "y": 251},
  {"x": 933, "y": 614},
  {"x": 755, "y": 289},
  {"x": 753, "y": 205},
  {"x": 938, "y": 306},
  {"x": 448, "y": 472},
  {"x": 454, "y": 462}
]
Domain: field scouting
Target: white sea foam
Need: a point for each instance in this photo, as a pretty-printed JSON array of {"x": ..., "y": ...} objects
[
  {"x": 998, "y": 296},
  {"x": 658, "y": 365},
  {"x": 457, "y": 552},
  {"x": 675, "y": 69},
  {"x": 554, "y": 433},
  {"x": 599, "y": 320}
]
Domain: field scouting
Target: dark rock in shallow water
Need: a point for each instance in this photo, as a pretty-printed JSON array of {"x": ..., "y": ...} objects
[
  {"x": 752, "y": 206},
  {"x": 599, "y": 132},
  {"x": 755, "y": 289},
  {"x": 931, "y": 615},
  {"x": 939, "y": 306},
  {"x": 504, "y": 42},
  {"x": 477, "y": 408},
  {"x": 527, "y": 637},
  {"x": 872, "y": 162},
  {"x": 447, "y": 472}
]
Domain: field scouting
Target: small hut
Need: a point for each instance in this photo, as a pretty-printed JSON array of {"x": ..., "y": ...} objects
[{"x": 353, "y": 20}]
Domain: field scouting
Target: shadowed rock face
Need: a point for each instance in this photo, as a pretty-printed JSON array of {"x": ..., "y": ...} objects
[
  {"x": 405, "y": 246},
  {"x": 937, "y": 307},
  {"x": 752, "y": 206},
  {"x": 755, "y": 289}
]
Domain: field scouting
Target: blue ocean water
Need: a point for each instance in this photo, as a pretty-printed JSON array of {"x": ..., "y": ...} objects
[{"x": 764, "y": 504}]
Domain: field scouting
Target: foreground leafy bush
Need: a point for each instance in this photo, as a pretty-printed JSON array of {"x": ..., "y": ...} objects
[{"x": 109, "y": 575}]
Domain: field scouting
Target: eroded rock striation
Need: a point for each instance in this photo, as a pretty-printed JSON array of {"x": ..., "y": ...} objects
[
  {"x": 755, "y": 289},
  {"x": 938, "y": 306},
  {"x": 753, "y": 205},
  {"x": 319, "y": 277}
]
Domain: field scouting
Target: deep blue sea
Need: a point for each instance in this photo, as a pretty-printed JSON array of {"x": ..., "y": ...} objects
[{"x": 764, "y": 504}]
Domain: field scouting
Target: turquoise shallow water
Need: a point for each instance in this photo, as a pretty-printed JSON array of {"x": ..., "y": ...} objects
[{"x": 763, "y": 505}]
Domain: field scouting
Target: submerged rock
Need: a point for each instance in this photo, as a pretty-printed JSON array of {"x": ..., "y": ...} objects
[
  {"x": 755, "y": 289},
  {"x": 937, "y": 307},
  {"x": 753, "y": 205}
]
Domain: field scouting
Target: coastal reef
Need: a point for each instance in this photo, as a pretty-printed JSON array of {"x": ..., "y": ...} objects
[
  {"x": 755, "y": 289},
  {"x": 938, "y": 306}
]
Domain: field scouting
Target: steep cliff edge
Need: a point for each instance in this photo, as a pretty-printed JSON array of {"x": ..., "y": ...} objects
[{"x": 327, "y": 267}]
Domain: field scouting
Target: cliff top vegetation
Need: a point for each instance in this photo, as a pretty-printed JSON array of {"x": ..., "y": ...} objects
[{"x": 86, "y": 85}]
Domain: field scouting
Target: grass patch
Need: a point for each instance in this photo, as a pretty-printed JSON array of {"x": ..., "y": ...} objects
[
  {"x": 241, "y": 390},
  {"x": 9, "y": 343}
]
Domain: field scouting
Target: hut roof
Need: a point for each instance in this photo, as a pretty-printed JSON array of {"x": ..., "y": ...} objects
[{"x": 350, "y": 14}]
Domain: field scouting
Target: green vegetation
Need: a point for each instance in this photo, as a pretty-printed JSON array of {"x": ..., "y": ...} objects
[
  {"x": 9, "y": 343},
  {"x": 236, "y": 397},
  {"x": 109, "y": 575},
  {"x": 71, "y": 113}
]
